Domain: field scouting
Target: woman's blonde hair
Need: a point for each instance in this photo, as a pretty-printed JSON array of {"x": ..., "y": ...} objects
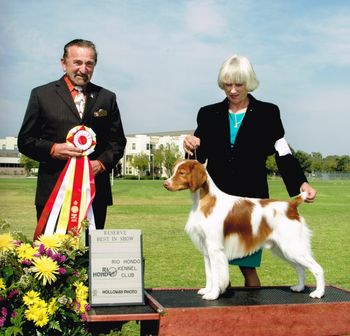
[{"x": 238, "y": 70}]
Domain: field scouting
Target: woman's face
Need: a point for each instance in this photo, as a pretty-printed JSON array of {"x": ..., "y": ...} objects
[{"x": 236, "y": 93}]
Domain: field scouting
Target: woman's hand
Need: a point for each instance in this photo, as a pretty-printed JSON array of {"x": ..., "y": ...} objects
[
  {"x": 191, "y": 143},
  {"x": 311, "y": 192}
]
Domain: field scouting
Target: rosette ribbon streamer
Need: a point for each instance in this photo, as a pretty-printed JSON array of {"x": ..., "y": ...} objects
[{"x": 71, "y": 199}]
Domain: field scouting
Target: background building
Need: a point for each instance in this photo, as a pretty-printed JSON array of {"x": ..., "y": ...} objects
[
  {"x": 10, "y": 157},
  {"x": 136, "y": 144},
  {"x": 146, "y": 144}
]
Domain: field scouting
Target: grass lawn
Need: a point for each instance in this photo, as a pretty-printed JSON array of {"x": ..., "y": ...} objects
[{"x": 171, "y": 260}]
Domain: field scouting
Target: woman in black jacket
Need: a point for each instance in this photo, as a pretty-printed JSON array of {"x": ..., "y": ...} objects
[{"x": 235, "y": 137}]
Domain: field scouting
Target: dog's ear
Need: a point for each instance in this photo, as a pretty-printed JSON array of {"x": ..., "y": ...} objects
[{"x": 198, "y": 176}]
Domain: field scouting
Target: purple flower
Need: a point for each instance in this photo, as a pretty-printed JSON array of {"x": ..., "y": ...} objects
[
  {"x": 26, "y": 262},
  {"x": 41, "y": 249},
  {"x": 4, "y": 311},
  {"x": 13, "y": 294},
  {"x": 18, "y": 243},
  {"x": 62, "y": 270},
  {"x": 2, "y": 321},
  {"x": 49, "y": 253},
  {"x": 59, "y": 258},
  {"x": 13, "y": 314}
]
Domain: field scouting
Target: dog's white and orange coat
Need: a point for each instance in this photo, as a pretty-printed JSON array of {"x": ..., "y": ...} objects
[{"x": 225, "y": 227}]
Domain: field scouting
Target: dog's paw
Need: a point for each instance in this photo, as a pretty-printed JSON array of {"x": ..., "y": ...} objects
[
  {"x": 316, "y": 294},
  {"x": 224, "y": 285},
  {"x": 298, "y": 288},
  {"x": 212, "y": 295},
  {"x": 202, "y": 291}
]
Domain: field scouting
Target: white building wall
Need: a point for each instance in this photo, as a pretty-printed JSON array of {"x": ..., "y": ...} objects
[
  {"x": 10, "y": 157},
  {"x": 136, "y": 144},
  {"x": 176, "y": 140},
  {"x": 9, "y": 143}
]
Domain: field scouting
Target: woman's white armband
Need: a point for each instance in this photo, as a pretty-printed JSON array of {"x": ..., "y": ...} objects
[{"x": 282, "y": 147}]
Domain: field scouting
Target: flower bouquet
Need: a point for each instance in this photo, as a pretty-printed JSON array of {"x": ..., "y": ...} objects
[{"x": 43, "y": 285}]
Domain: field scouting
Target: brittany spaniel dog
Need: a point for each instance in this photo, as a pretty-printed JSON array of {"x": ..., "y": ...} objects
[{"x": 225, "y": 227}]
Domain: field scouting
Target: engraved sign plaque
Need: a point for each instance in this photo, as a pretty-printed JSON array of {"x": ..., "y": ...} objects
[{"x": 116, "y": 268}]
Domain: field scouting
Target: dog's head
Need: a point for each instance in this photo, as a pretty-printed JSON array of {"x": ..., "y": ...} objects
[{"x": 187, "y": 174}]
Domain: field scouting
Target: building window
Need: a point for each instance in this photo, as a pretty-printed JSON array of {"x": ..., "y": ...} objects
[
  {"x": 147, "y": 146},
  {"x": 133, "y": 146}
]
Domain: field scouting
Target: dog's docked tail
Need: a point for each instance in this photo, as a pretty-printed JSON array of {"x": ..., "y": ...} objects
[{"x": 300, "y": 198}]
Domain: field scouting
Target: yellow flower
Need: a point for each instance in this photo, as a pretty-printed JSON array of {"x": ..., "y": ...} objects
[
  {"x": 31, "y": 297},
  {"x": 53, "y": 241},
  {"x": 73, "y": 241},
  {"x": 81, "y": 291},
  {"x": 42, "y": 319},
  {"x": 81, "y": 294},
  {"x": 2, "y": 284},
  {"x": 37, "y": 313},
  {"x": 45, "y": 269},
  {"x": 82, "y": 304},
  {"x": 6, "y": 242},
  {"x": 26, "y": 252},
  {"x": 52, "y": 306}
]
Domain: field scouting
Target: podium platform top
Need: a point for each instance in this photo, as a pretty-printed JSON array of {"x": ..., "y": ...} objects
[
  {"x": 159, "y": 300},
  {"x": 242, "y": 296}
]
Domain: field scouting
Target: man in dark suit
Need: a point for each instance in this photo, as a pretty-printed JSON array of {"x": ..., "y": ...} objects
[{"x": 52, "y": 112}]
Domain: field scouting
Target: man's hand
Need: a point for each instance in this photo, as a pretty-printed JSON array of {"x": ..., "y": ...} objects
[
  {"x": 63, "y": 151},
  {"x": 97, "y": 167}
]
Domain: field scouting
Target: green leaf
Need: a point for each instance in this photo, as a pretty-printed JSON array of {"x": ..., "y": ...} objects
[
  {"x": 13, "y": 331},
  {"x": 8, "y": 271},
  {"x": 55, "y": 325}
]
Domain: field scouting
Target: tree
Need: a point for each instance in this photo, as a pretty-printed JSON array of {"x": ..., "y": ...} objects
[
  {"x": 316, "y": 162},
  {"x": 271, "y": 165},
  {"x": 141, "y": 163},
  {"x": 330, "y": 163},
  {"x": 28, "y": 164},
  {"x": 158, "y": 159},
  {"x": 171, "y": 155},
  {"x": 343, "y": 164},
  {"x": 304, "y": 160}
]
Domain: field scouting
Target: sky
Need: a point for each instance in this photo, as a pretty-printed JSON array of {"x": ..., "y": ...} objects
[{"x": 162, "y": 58}]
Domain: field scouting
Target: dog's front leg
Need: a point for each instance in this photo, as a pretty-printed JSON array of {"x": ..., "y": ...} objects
[
  {"x": 208, "y": 280},
  {"x": 219, "y": 272}
]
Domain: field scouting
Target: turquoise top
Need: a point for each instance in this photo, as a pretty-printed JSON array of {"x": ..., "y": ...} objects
[
  {"x": 235, "y": 120},
  {"x": 254, "y": 259}
]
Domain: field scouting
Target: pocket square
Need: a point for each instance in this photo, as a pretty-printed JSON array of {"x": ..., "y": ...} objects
[{"x": 100, "y": 113}]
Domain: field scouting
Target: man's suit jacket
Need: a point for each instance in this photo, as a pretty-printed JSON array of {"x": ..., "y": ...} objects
[
  {"x": 51, "y": 113},
  {"x": 241, "y": 170}
]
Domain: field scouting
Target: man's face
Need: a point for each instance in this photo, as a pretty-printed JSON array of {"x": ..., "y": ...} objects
[{"x": 79, "y": 65}]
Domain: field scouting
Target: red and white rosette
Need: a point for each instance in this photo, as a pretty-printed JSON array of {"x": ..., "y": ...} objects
[
  {"x": 83, "y": 138},
  {"x": 71, "y": 199}
]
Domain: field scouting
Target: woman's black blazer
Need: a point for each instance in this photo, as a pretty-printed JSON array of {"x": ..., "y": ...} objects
[{"x": 241, "y": 170}]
